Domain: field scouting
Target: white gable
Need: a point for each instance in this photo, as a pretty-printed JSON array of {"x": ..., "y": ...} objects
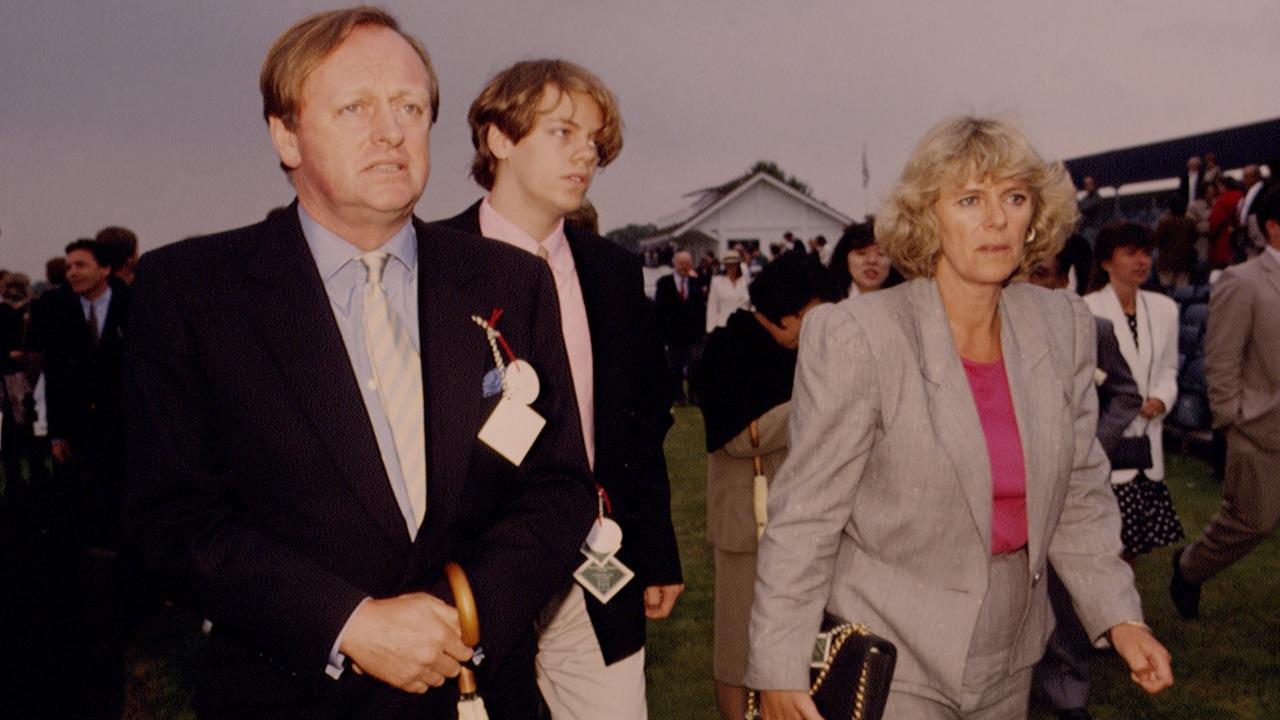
[{"x": 764, "y": 212}]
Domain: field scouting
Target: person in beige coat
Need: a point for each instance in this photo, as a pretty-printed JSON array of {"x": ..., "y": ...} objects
[
  {"x": 1242, "y": 365},
  {"x": 943, "y": 453},
  {"x": 745, "y": 381}
]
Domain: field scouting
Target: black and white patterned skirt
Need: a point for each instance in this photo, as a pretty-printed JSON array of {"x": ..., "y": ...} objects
[{"x": 1147, "y": 518}]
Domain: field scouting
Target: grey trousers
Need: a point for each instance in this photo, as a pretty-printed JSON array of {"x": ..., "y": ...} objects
[
  {"x": 991, "y": 691},
  {"x": 1250, "y": 510}
]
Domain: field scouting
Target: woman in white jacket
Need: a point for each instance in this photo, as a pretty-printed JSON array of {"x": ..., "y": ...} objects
[
  {"x": 1146, "y": 328},
  {"x": 728, "y": 292}
]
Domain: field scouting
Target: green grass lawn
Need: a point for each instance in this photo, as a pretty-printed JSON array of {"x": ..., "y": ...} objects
[{"x": 1227, "y": 663}]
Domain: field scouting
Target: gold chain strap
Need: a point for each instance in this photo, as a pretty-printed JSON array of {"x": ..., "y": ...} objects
[{"x": 839, "y": 635}]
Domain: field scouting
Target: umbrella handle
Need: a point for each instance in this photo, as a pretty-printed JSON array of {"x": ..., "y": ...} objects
[
  {"x": 468, "y": 619},
  {"x": 465, "y": 602}
]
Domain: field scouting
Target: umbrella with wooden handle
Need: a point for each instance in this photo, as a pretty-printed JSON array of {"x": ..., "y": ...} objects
[
  {"x": 470, "y": 706},
  {"x": 759, "y": 484}
]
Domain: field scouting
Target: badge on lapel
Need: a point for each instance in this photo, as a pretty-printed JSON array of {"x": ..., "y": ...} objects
[{"x": 513, "y": 426}]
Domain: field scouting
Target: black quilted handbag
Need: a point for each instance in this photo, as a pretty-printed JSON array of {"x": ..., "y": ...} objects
[{"x": 849, "y": 674}]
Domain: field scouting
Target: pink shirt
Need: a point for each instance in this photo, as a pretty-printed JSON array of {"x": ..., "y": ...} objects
[
  {"x": 573, "y": 312},
  {"x": 1004, "y": 450}
]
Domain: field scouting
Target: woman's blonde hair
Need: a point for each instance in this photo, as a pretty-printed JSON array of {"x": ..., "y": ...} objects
[{"x": 953, "y": 152}]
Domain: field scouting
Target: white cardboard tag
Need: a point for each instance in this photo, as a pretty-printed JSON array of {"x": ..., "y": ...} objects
[{"x": 511, "y": 430}]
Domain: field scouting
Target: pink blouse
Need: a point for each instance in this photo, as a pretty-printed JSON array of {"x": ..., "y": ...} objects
[{"x": 990, "y": 389}]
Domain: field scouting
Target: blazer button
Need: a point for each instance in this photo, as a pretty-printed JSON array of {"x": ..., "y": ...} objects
[{"x": 1036, "y": 577}]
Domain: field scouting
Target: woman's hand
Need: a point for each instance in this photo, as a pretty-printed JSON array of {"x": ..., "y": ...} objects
[
  {"x": 787, "y": 705},
  {"x": 1152, "y": 407},
  {"x": 1149, "y": 662}
]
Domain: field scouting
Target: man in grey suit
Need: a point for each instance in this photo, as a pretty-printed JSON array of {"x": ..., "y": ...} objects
[{"x": 1242, "y": 365}]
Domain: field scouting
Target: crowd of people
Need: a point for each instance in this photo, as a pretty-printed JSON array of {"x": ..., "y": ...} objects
[
  {"x": 62, "y": 341},
  {"x": 294, "y": 426}
]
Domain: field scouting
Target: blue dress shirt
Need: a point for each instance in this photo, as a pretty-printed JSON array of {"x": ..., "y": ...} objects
[{"x": 344, "y": 278}]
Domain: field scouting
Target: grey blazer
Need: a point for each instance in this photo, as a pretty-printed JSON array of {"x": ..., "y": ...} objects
[
  {"x": 1242, "y": 350},
  {"x": 882, "y": 512}
]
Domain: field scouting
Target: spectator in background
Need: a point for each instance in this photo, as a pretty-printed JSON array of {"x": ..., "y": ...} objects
[
  {"x": 728, "y": 292},
  {"x": 708, "y": 267},
  {"x": 1175, "y": 243},
  {"x": 1076, "y": 261},
  {"x": 1063, "y": 675},
  {"x": 1091, "y": 208},
  {"x": 1198, "y": 213},
  {"x": 1222, "y": 221},
  {"x": 1211, "y": 170},
  {"x": 1146, "y": 328},
  {"x": 1188, "y": 185},
  {"x": 16, "y": 403},
  {"x": 818, "y": 248},
  {"x": 751, "y": 261},
  {"x": 858, "y": 265},
  {"x": 1242, "y": 362},
  {"x": 55, "y": 275},
  {"x": 680, "y": 315},
  {"x": 1249, "y": 238},
  {"x": 744, "y": 382},
  {"x": 122, "y": 245},
  {"x": 78, "y": 334}
]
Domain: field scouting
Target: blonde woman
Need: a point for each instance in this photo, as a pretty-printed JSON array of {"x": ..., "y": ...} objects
[{"x": 943, "y": 452}]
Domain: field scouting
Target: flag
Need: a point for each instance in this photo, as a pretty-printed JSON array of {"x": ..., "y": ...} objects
[{"x": 866, "y": 171}]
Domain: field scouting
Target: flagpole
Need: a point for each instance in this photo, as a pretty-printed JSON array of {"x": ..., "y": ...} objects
[{"x": 866, "y": 178}]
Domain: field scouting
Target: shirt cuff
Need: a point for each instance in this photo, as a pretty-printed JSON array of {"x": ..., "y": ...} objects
[{"x": 337, "y": 660}]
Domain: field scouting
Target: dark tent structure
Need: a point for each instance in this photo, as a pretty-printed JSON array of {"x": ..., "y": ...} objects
[{"x": 1235, "y": 147}]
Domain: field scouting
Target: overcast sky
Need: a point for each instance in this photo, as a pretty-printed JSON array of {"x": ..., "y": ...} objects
[{"x": 147, "y": 113}]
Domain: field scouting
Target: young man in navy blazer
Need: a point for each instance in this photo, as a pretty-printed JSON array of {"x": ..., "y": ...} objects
[
  {"x": 305, "y": 396},
  {"x": 541, "y": 129}
]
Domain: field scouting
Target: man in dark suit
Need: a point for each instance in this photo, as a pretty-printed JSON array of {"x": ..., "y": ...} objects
[
  {"x": 76, "y": 337},
  {"x": 540, "y": 129},
  {"x": 680, "y": 312},
  {"x": 1188, "y": 186},
  {"x": 1063, "y": 677},
  {"x": 77, "y": 331},
  {"x": 322, "y": 416}
]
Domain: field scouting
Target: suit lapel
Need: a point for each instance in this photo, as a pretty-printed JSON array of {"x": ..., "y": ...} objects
[
  {"x": 455, "y": 357},
  {"x": 954, "y": 415},
  {"x": 1120, "y": 323},
  {"x": 1271, "y": 270},
  {"x": 1032, "y": 386},
  {"x": 113, "y": 327},
  {"x": 292, "y": 309},
  {"x": 602, "y": 322}
]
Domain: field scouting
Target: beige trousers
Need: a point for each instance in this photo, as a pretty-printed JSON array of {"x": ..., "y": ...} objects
[
  {"x": 575, "y": 682},
  {"x": 1250, "y": 510}
]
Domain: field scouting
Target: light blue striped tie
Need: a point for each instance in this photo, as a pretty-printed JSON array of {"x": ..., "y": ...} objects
[{"x": 397, "y": 370}]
